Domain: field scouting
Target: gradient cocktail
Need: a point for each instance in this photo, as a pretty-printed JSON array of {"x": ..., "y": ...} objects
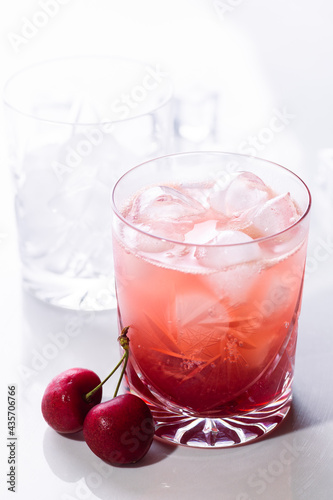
[{"x": 209, "y": 253}]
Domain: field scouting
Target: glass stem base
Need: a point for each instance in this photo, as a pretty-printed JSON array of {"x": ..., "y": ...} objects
[{"x": 215, "y": 432}]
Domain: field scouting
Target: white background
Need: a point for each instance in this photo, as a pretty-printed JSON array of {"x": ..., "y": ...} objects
[{"x": 261, "y": 57}]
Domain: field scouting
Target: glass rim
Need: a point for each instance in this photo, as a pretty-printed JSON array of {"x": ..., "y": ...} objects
[
  {"x": 44, "y": 62},
  {"x": 204, "y": 245}
]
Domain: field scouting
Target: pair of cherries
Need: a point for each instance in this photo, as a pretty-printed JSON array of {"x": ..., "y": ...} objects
[{"x": 119, "y": 431}]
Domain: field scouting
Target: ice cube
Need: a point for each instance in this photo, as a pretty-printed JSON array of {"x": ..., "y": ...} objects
[
  {"x": 85, "y": 202},
  {"x": 150, "y": 244},
  {"x": 163, "y": 203},
  {"x": 244, "y": 192},
  {"x": 201, "y": 318},
  {"x": 217, "y": 200},
  {"x": 218, "y": 192},
  {"x": 275, "y": 215},
  {"x": 198, "y": 192},
  {"x": 202, "y": 232},
  {"x": 101, "y": 260},
  {"x": 235, "y": 282},
  {"x": 71, "y": 203},
  {"x": 230, "y": 238},
  {"x": 40, "y": 228},
  {"x": 144, "y": 241},
  {"x": 84, "y": 207},
  {"x": 72, "y": 256},
  {"x": 37, "y": 187},
  {"x": 41, "y": 232},
  {"x": 224, "y": 250}
]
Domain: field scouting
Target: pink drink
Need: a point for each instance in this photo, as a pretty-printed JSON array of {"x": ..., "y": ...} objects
[{"x": 212, "y": 301}]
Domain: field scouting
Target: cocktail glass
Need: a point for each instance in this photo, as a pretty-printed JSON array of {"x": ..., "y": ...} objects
[{"x": 209, "y": 252}]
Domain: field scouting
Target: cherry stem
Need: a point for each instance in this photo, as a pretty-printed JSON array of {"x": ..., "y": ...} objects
[{"x": 124, "y": 342}]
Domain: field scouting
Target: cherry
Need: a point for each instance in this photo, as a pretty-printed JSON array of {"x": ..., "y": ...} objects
[
  {"x": 65, "y": 403},
  {"x": 71, "y": 394},
  {"x": 119, "y": 431}
]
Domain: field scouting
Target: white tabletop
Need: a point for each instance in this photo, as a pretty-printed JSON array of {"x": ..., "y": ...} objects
[{"x": 264, "y": 59}]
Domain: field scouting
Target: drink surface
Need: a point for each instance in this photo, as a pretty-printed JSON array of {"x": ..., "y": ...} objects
[{"x": 212, "y": 304}]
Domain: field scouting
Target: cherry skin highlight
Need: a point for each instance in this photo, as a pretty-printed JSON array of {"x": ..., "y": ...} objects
[
  {"x": 64, "y": 406},
  {"x": 120, "y": 431}
]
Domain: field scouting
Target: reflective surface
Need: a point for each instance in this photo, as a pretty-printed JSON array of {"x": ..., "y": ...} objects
[
  {"x": 294, "y": 462},
  {"x": 270, "y": 61}
]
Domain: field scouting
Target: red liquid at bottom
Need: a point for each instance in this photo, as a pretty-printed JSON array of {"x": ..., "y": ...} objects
[{"x": 212, "y": 353}]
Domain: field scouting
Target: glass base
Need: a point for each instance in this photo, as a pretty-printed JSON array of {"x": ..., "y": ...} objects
[
  {"x": 95, "y": 294},
  {"x": 224, "y": 432}
]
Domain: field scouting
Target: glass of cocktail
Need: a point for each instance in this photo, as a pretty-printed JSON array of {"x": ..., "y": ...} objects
[{"x": 209, "y": 252}]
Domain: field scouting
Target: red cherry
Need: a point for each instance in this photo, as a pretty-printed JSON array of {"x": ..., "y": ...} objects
[
  {"x": 64, "y": 405},
  {"x": 120, "y": 431}
]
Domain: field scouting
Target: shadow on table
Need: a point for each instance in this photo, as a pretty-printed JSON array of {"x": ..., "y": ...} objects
[
  {"x": 302, "y": 415},
  {"x": 292, "y": 422},
  {"x": 70, "y": 458}
]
